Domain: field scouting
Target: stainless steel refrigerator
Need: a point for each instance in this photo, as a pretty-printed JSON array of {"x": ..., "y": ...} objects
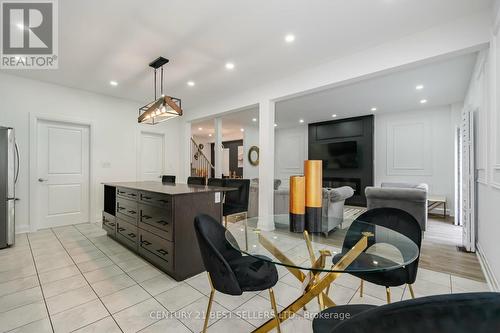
[{"x": 9, "y": 172}]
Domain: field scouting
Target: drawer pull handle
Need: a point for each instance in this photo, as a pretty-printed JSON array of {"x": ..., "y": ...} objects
[
  {"x": 121, "y": 208},
  {"x": 121, "y": 229},
  {"x": 163, "y": 200},
  {"x": 112, "y": 224},
  {"x": 145, "y": 243},
  {"x": 132, "y": 211},
  {"x": 146, "y": 217},
  {"x": 132, "y": 194},
  {"x": 132, "y": 235},
  {"x": 146, "y": 197},
  {"x": 163, "y": 223},
  {"x": 162, "y": 252}
]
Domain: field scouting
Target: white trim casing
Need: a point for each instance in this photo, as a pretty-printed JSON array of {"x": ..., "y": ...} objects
[
  {"x": 486, "y": 268},
  {"x": 34, "y": 118}
]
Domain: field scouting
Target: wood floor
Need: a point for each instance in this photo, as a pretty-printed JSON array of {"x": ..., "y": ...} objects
[{"x": 440, "y": 250}]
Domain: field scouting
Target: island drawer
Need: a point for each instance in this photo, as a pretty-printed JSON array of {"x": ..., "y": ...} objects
[
  {"x": 127, "y": 233},
  {"x": 157, "y": 220},
  {"x": 157, "y": 199},
  {"x": 127, "y": 193},
  {"x": 156, "y": 249},
  {"x": 127, "y": 210},
  {"x": 109, "y": 223}
]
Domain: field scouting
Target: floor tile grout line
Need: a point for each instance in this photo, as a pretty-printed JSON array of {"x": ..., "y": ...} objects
[
  {"x": 20, "y": 306},
  {"x": 152, "y": 294},
  {"x": 40, "y": 285},
  {"x": 57, "y": 236},
  {"x": 90, "y": 240}
]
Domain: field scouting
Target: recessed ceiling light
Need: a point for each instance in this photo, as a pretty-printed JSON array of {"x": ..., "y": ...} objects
[
  {"x": 423, "y": 101},
  {"x": 229, "y": 65},
  {"x": 210, "y": 134},
  {"x": 254, "y": 119},
  {"x": 289, "y": 38},
  {"x": 242, "y": 129},
  {"x": 113, "y": 83},
  {"x": 20, "y": 26},
  {"x": 200, "y": 128},
  {"x": 419, "y": 87},
  {"x": 334, "y": 115},
  {"x": 275, "y": 125},
  {"x": 374, "y": 109},
  {"x": 190, "y": 83},
  {"x": 301, "y": 121}
]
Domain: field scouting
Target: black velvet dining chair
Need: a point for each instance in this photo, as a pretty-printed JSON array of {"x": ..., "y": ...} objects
[
  {"x": 236, "y": 201},
  {"x": 451, "y": 313},
  {"x": 394, "y": 219},
  {"x": 229, "y": 272},
  {"x": 196, "y": 180},
  {"x": 168, "y": 179}
]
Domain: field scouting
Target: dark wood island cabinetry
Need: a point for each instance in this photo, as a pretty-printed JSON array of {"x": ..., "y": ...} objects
[{"x": 155, "y": 220}]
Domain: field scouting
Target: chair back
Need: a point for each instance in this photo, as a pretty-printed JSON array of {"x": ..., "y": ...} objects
[
  {"x": 216, "y": 252},
  {"x": 196, "y": 181},
  {"x": 169, "y": 179},
  {"x": 453, "y": 313},
  {"x": 237, "y": 200},
  {"x": 391, "y": 218},
  {"x": 215, "y": 182}
]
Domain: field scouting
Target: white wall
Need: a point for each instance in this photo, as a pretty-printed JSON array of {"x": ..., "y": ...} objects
[
  {"x": 250, "y": 138},
  {"x": 484, "y": 96},
  {"x": 417, "y": 147},
  {"x": 290, "y": 152},
  {"x": 115, "y": 133}
]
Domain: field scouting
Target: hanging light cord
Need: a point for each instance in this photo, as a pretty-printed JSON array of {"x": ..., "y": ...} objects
[
  {"x": 155, "y": 83},
  {"x": 162, "y": 81}
]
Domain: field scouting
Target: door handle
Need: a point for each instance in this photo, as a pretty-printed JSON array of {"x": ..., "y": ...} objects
[{"x": 41, "y": 180}]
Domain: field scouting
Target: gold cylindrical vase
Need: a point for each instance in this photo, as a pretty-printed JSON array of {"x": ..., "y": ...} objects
[
  {"x": 313, "y": 171},
  {"x": 297, "y": 203}
]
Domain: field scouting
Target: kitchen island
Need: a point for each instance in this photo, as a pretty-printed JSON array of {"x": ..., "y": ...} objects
[{"x": 155, "y": 220}]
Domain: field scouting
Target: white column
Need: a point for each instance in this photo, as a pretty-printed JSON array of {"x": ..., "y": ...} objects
[
  {"x": 218, "y": 147},
  {"x": 266, "y": 163},
  {"x": 185, "y": 169}
]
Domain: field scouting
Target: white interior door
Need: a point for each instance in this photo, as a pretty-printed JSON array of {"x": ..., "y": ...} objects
[
  {"x": 63, "y": 156},
  {"x": 152, "y": 156},
  {"x": 468, "y": 182}
]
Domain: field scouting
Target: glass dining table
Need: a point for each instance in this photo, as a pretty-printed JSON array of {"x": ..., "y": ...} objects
[{"x": 316, "y": 260}]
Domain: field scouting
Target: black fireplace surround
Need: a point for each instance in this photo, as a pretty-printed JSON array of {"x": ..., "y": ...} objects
[{"x": 359, "y": 130}]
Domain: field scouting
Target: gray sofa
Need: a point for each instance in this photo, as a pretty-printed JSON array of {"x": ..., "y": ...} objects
[
  {"x": 333, "y": 200},
  {"x": 409, "y": 197}
]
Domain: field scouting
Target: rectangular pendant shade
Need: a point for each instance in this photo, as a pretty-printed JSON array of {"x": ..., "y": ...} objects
[{"x": 164, "y": 108}]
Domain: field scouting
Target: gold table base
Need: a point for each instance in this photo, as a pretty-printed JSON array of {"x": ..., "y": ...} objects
[{"x": 314, "y": 286}]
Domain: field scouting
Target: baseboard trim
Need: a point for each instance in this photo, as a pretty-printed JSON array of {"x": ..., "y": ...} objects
[
  {"x": 486, "y": 268},
  {"x": 22, "y": 230}
]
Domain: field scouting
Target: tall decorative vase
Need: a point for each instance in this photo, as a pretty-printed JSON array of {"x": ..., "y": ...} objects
[
  {"x": 313, "y": 170},
  {"x": 297, "y": 203}
]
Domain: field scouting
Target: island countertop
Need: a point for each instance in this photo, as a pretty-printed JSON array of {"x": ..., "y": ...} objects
[{"x": 167, "y": 188}]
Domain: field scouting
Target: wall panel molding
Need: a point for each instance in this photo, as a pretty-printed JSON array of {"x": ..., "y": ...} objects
[{"x": 408, "y": 148}]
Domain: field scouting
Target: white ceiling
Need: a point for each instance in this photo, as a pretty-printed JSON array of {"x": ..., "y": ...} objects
[
  {"x": 445, "y": 82},
  {"x": 232, "y": 124},
  {"x": 108, "y": 40}
]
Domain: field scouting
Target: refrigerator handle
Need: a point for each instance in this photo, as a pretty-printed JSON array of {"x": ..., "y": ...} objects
[{"x": 17, "y": 163}]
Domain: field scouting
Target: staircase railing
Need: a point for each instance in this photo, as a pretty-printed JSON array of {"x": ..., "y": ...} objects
[{"x": 200, "y": 164}]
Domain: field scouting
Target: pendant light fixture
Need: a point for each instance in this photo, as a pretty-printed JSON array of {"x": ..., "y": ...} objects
[{"x": 162, "y": 108}]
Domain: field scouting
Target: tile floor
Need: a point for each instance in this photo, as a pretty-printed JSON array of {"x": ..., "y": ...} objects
[{"x": 76, "y": 279}]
